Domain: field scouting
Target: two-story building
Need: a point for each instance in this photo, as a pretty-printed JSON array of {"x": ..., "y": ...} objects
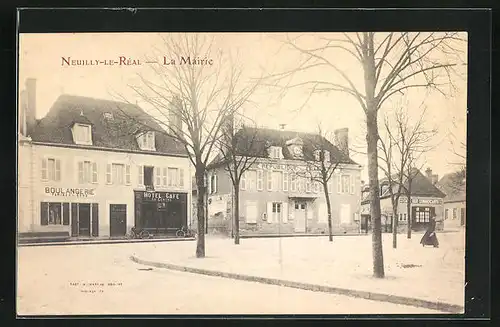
[
  {"x": 426, "y": 200},
  {"x": 275, "y": 198},
  {"x": 96, "y": 168}
]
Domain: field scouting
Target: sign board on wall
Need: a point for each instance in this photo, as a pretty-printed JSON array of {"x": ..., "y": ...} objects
[
  {"x": 148, "y": 196},
  {"x": 76, "y": 192},
  {"x": 421, "y": 201}
]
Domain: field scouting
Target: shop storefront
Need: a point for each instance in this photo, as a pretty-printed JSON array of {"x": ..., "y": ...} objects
[{"x": 160, "y": 212}]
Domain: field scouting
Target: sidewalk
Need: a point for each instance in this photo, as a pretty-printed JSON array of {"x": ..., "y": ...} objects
[
  {"x": 427, "y": 274},
  {"x": 105, "y": 241}
]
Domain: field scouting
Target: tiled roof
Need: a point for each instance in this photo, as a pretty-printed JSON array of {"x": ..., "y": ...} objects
[
  {"x": 256, "y": 142},
  {"x": 116, "y": 129},
  {"x": 420, "y": 186},
  {"x": 453, "y": 185}
]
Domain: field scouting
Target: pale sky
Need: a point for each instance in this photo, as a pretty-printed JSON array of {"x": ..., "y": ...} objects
[{"x": 40, "y": 57}]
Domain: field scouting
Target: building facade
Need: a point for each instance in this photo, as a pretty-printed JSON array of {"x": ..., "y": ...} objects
[
  {"x": 276, "y": 198},
  {"x": 455, "y": 208},
  {"x": 96, "y": 168},
  {"x": 426, "y": 200}
]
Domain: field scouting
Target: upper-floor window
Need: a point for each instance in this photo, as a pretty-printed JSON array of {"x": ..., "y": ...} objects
[
  {"x": 276, "y": 152},
  {"x": 146, "y": 141},
  {"x": 82, "y": 134},
  {"x": 51, "y": 169},
  {"x": 87, "y": 172},
  {"x": 117, "y": 174},
  {"x": 345, "y": 184},
  {"x": 326, "y": 155}
]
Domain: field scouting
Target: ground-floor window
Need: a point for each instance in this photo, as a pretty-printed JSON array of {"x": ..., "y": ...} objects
[
  {"x": 454, "y": 213},
  {"x": 54, "y": 213},
  {"x": 446, "y": 214},
  {"x": 422, "y": 214},
  {"x": 277, "y": 212}
]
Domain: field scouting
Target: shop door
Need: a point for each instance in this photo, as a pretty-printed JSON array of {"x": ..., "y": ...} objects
[
  {"x": 300, "y": 217},
  {"x": 118, "y": 219},
  {"x": 84, "y": 219}
]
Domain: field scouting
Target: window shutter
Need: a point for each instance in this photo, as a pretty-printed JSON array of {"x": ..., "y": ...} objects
[
  {"x": 164, "y": 176},
  {"x": 94, "y": 172},
  {"x": 209, "y": 184},
  {"x": 58, "y": 170},
  {"x": 284, "y": 206},
  {"x": 127, "y": 174},
  {"x": 322, "y": 213},
  {"x": 95, "y": 219},
  {"x": 243, "y": 181},
  {"x": 181, "y": 177},
  {"x": 65, "y": 213},
  {"x": 339, "y": 183},
  {"x": 140, "y": 171},
  {"x": 269, "y": 212},
  {"x": 285, "y": 181},
  {"x": 108, "y": 174},
  {"x": 352, "y": 184},
  {"x": 44, "y": 169},
  {"x": 215, "y": 184},
  {"x": 157, "y": 176},
  {"x": 269, "y": 180},
  {"x": 80, "y": 172},
  {"x": 260, "y": 180},
  {"x": 44, "y": 213}
]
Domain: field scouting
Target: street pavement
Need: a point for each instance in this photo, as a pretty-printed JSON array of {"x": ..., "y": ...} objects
[
  {"x": 51, "y": 282},
  {"x": 413, "y": 271}
]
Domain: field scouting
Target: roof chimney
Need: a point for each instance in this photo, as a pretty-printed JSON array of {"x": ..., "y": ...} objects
[
  {"x": 30, "y": 100},
  {"x": 22, "y": 113},
  {"x": 175, "y": 120},
  {"x": 342, "y": 140},
  {"x": 434, "y": 179},
  {"x": 428, "y": 173},
  {"x": 282, "y": 127}
]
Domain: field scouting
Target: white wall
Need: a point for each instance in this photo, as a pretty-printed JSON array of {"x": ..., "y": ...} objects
[{"x": 104, "y": 194}]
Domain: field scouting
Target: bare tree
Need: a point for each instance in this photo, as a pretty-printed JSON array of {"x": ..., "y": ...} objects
[
  {"x": 320, "y": 168},
  {"x": 198, "y": 87},
  {"x": 239, "y": 149},
  {"x": 404, "y": 141},
  {"x": 391, "y": 64}
]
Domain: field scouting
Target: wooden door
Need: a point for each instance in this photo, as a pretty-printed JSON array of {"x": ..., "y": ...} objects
[
  {"x": 118, "y": 219},
  {"x": 300, "y": 217},
  {"x": 84, "y": 219}
]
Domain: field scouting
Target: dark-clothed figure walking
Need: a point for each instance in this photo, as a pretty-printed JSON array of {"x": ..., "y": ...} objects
[{"x": 430, "y": 237}]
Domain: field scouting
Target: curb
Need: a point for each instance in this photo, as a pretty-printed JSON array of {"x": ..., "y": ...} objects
[
  {"x": 92, "y": 242},
  {"x": 297, "y": 235},
  {"x": 395, "y": 299}
]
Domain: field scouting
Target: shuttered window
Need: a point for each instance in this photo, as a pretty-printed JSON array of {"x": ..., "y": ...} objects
[
  {"x": 51, "y": 169},
  {"x": 251, "y": 212},
  {"x": 322, "y": 213},
  {"x": 345, "y": 213}
]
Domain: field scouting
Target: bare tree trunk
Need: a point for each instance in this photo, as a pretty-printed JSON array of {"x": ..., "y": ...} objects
[
  {"x": 237, "y": 213},
  {"x": 329, "y": 210},
  {"x": 200, "y": 184},
  {"x": 395, "y": 225},
  {"x": 372, "y": 138},
  {"x": 408, "y": 209}
]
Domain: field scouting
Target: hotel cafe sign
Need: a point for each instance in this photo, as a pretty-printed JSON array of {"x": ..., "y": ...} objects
[{"x": 70, "y": 192}]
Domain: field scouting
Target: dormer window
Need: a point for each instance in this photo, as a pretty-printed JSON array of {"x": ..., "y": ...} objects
[
  {"x": 146, "y": 141},
  {"x": 317, "y": 155},
  {"x": 82, "y": 134},
  {"x": 275, "y": 152}
]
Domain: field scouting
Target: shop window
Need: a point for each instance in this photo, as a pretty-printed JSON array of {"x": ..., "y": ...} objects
[
  {"x": 422, "y": 214},
  {"x": 54, "y": 213}
]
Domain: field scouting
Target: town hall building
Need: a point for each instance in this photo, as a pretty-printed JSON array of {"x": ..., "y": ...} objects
[
  {"x": 274, "y": 198},
  {"x": 95, "y": 168}
]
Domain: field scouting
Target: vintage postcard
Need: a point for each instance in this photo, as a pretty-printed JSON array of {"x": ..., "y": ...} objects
[{"x": 241, "y": 173}]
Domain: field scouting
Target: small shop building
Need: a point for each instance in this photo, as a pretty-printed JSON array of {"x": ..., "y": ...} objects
[
  {"x": 426, "y": 201},
  {"x": 274, "y": 198},
  {"x": 95, "y": 168},
  {"x": 455, "y": 208}
]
